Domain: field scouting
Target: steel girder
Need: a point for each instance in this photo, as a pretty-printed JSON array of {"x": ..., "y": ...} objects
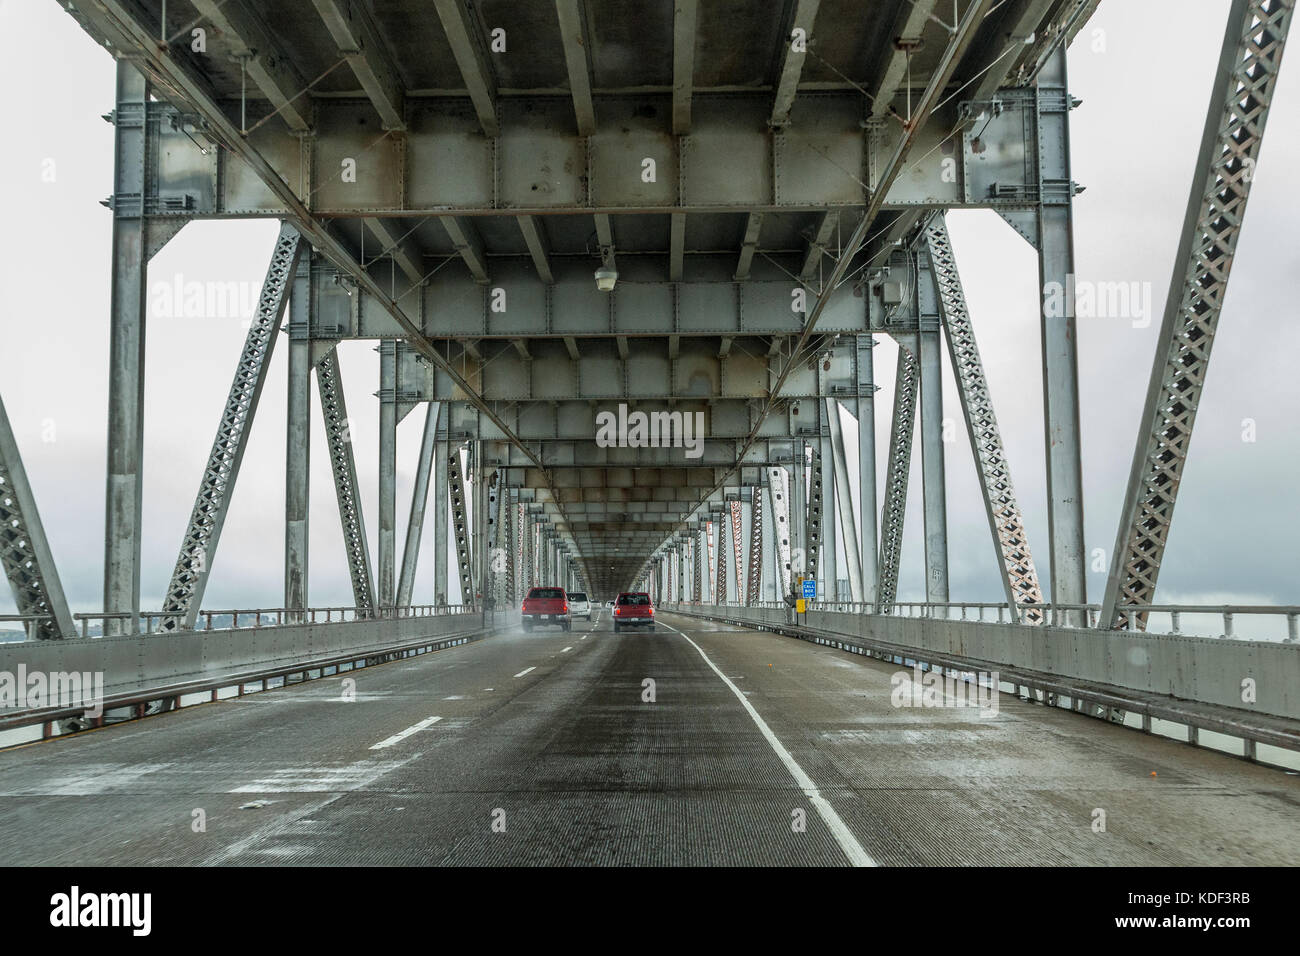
[
  {"x": 754, "y": 577},
  {"x": 718, "y": 547},
  {"x": 906, "y": 382},
  {"x": 297, "y": 444},
  {"x": 737, "y": 532},
  {"x": 779, "y": 485},
  {"x": 211, "y": 504},
  {"x": 440, "y": 502},
  {"x": 387, "y": 474},
  {"x": 844, "y": 500},
  {"x": 1007, "y": 524},
  {"x": 24, "y": 551},
  {"x": 460, "y": 524},
  {"x": 813, "y": 528},
  {"x": 1234, "y": 129},
  {"x": 697, "y": 570},
  {"x": 338, "y": 437},
  {"x": 419, "y": 502}
]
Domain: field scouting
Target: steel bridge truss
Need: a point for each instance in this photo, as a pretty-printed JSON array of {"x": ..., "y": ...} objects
[
  {"x": 1234, "y": 130},
  {"x": 211, "y": 505},
  {"x": 1015, "y": 563},
  {"x": 906, "y": 384}
]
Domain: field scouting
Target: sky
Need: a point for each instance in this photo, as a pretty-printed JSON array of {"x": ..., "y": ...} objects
[{"x": 1143, "y": 69}]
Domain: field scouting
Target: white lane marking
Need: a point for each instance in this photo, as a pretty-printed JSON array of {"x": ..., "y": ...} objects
[
  {"x": 399, "y": 737},
  {"x": 583, "y": 638},
  {"x": 567, "y": 649},
  {"x": 525, "y": 671},
  {"x": 847, "y": 841}
]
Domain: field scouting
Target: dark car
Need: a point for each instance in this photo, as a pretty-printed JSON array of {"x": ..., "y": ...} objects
[
  {"x": 634, "y": 609},
  {"x": 546, "y": 606}
]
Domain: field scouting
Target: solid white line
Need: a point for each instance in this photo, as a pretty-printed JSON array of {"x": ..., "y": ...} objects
[
  {"x": 525, "y": 671},
  {"x": 847, "y": 841},
  {"x": 567, "y": 649},
  {"x": 398, "y": 738}
]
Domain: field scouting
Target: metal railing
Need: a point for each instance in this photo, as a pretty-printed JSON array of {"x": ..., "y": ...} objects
[
  {"x": 278, "y": 616},
  {"x": 1059, "y": 615}
]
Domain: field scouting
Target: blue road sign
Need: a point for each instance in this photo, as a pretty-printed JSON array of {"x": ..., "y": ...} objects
[{"x": 810, "y": 589}]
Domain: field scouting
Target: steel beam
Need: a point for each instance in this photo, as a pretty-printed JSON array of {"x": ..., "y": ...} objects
[
  {"x": 1243, "y": 91},
  {"x": 1006, "y": 523},
  {"x": 894, "y": 509},
  {"x": 844, "y": 501},
  {"x": 685, "y": 13},
  {"x": 202, "y": 535},
  {"x": 778, "y": 482},
  {"x": 338, "y": 436},
  {"x": 1060, "y": 359},
  {"x": 359, "y": 41},
  {"x": 864, "y": 347},
  {"x": 573, "y": 34},
  {"x": 419, "y": 501},
  {"x": 441, "y": 485},
  {"x": 933, "y": 480},
  {"x": 793, "y": 54},
  {"x": 297, "y": 455},
  {"x": 123, "y": 510},
  {"x": 387, "y": 472},
  {"x": 24, "y": 551},
  {"x": 467, "y": 48}
]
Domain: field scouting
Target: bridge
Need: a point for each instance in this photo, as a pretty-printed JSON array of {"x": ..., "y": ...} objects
[{"x": 628, "y": 266}]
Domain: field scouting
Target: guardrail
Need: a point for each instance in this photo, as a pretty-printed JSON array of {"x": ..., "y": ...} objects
[
  {"x": 129, "y": 671},
  {"x": 1196, "y": 683},
  {"x": 281, "y": 615},
  {"x": 1057, "y": 615}
]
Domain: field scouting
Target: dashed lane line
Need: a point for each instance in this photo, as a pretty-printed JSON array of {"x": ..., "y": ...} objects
[{"x": 399, "y": 737}]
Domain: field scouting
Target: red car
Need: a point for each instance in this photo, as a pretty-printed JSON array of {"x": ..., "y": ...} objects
[
  {"x": 634, "y": 609},
  {"x": 546, "y": 606}
]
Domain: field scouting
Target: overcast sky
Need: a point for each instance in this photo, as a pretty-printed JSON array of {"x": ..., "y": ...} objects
[{"x": 1143, "y": 69}]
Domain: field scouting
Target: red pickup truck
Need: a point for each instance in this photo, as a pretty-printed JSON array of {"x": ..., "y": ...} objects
[
  {"x": 633, "y": 609},
  {"x": 546, "y": 606}
]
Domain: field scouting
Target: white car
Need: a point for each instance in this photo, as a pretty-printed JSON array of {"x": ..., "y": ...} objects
[{"x": 579, "y": 606}]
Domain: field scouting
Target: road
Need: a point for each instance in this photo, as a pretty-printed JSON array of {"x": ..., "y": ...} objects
[{"x": 544, "y": 749}]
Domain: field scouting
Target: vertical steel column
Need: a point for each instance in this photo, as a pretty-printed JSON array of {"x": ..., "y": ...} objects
[
  {"x": 211, "y": 503},
  {"x": 933, "y": 482},
  {"x": 24, "y": 551},
  {"x": 779, "y": 499},
  {"x": 1060, "y": 353},
  {"x": 123, "y": 495},
  {"x": 1243, "y": 91},
  {"x": 387, "y": 471},
  {"x": 441, "y": 483},
  {"x": 828, "y": 546},
  {"x": 798, "y": 514},
  {"x": 297, "y": 455},
  {"x": 894, "y": 508},
  {"x": 769, "y": 588},
  {"x": 844, "y": 499},
  {"x": 868, "y": 530},
  {"x": 460, "y": 524},
  {"x": 419, "y": 502}
]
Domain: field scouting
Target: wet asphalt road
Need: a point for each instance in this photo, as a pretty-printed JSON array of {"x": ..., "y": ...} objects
[{"x": 699, "y": 743}]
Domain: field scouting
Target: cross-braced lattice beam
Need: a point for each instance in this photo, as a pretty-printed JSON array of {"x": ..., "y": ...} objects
[
  {"x": 338, "y": 435},
  {"x": 906, "y": 381},
  {"x": 24, "y": 552},
  {"x": 737, "y": 530},
  {"x": 1234, "y": 130},
  {"x": 754, "y": 579},
  {"x": 779, "y": 485},
  {"x": 720, "y": 578},
  {"x": 1007, "y": 524},
  {"x": 212, "y": 503},
  {"x": 813, "y": 526},
  {"x": 460, "y": 525}
]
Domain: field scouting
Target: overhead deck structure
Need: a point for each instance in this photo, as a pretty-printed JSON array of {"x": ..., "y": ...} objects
[{"x": 754, "y": 173}]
